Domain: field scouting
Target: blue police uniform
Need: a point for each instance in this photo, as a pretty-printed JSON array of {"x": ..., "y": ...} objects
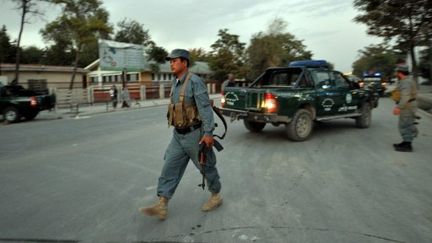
[{"x": 184, "y": 145}]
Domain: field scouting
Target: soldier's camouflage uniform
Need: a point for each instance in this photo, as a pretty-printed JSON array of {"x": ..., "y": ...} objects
[{"x": 408, "y": 107}]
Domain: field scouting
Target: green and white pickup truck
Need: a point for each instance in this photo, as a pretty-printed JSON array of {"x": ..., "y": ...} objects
[
  {"x": 17, "y": 102},
  {"x": 296, "y": 96}
]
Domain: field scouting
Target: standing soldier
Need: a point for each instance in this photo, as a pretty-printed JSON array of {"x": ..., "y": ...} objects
[
  {"x": 230, "y": 82},
  {"x": 406, "y": 106},
  {"x": 191, "y": 114}
]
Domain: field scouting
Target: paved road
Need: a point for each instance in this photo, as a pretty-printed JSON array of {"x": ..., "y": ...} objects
[{"x": 84, "y": 180}]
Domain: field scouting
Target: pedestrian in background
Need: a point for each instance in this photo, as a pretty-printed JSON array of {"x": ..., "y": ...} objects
[
  {"x": 125, "y": 97},
  {"x": 191, "y": 114},
  {"x": 114, "y": 96},
  {"x": 405, "y": 95},
  {"x": 230, "y": 82}
]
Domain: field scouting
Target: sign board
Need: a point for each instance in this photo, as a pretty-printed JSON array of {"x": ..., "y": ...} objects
[{"x": 118, "y": 56}]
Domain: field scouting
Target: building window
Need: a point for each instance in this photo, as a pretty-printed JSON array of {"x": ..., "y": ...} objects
[{"x": 153, "y": 77}]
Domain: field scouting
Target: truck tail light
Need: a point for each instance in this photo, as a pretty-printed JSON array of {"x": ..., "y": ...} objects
[
  {"x": 223, "y": 100},
  {"x": 33, "y": 101},
  {"x": 270, "y": 103}
]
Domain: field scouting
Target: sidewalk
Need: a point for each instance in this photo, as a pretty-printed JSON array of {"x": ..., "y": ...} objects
[{"x": 83, "y": 110}]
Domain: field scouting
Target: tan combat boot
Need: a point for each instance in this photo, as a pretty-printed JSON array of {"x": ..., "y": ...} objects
[
  {"x": 160, "y": 209},
  {"x": 214, "y": 201}
]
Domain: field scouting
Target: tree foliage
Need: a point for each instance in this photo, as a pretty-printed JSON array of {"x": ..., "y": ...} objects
[
  {"x": 198, "y": 54},
  {"x": 405, "y": 21},
  {"x": 6, "y": 50},
  {"x": 226, "y": 56},
  {"x": 425, "y": 64},
  {"x": 82, "y": 22},
  {"x": 275, "y": 47},
  {"x": 132, "y": 32},
  {"x": 376, "y": 58},
  {"x": 27, "y": 7},
  {"x": 157, "y": 53}
]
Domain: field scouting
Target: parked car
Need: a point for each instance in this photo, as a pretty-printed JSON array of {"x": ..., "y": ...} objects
[{"x": 17, "y": 103}]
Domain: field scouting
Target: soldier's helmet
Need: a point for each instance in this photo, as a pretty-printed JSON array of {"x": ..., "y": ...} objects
[
  {"x": 178, "y": 53},
  {"x": 402, "y": 68}
]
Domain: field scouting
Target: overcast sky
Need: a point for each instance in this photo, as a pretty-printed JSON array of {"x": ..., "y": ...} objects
[{"x": 325, "y": 26}]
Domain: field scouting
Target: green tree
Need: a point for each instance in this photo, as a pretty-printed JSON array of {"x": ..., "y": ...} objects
[
  {"x": 82, "y": 22},
  {"x": 426, "y": 63},
  {"x": 275, "y": 47},
  {"x": 403, "y": 20},
  {"x": 32, "y": 55},
  {"x": 132, "y": 32},
  {"x": 60, "y": 53},
  {"x": 198, "y": 54},
  {"x": 226, "y": 56},
  {"x": 157, "y": 54},
  {"x": 6, "y": 49},
  {"x": 60, "y": 50},
  {"x": 376, "y": 58}
]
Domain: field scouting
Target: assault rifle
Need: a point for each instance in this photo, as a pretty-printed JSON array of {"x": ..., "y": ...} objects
[{"x": 203, "y": 149}]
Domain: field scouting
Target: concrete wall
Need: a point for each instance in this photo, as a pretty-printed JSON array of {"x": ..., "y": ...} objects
[{"x": 54, "y": 79}]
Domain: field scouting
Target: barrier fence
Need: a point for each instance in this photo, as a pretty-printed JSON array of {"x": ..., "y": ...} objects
[{"x": 101, "y": 94}]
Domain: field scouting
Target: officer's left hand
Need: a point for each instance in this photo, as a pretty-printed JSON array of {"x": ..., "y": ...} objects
[{"x": 208, "y": 140}]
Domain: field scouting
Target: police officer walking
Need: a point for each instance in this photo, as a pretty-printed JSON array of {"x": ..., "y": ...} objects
[
  {"x": 406, "y": 106},
  {"x": 191, "y": 114}
]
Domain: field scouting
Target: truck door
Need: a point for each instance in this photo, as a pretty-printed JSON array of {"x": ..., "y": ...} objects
[
  {"x": 347, "y": 99},
  {"x": 328, "y": 96}
]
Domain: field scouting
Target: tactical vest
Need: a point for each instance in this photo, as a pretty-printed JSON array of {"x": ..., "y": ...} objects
[
  {"x": 396, "y": 93},
  {"x": 182, "y": 114}
]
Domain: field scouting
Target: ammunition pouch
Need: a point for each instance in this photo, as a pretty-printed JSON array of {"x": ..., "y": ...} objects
[
  {"x": 396, "y": 95},
  {"x": 182, "y": 114}
]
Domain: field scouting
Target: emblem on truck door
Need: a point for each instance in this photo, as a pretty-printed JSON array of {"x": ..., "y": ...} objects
[
  {"x": 327, "y": 104},
  {"x": 231, "y": 98},
  {"x": 348, "y": 98}
]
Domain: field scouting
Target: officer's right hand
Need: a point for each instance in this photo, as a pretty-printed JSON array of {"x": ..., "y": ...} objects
[
  {"x": 396, "y": 110},
  {"x": 207, "y": 140}
]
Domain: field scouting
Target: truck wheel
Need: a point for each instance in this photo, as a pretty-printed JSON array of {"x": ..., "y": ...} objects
[
  {"x": 11, "y": 114},
  {"x": 300, "y": 128},
  {"x": 31, "y": 115},
  {"x": 254, "y": 126},
  {"x": 364, "y": 120}
]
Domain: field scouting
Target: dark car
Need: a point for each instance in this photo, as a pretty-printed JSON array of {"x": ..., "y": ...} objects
[
  {"x": 17, "y": 102},
  {"x": 374, "y": 82}
]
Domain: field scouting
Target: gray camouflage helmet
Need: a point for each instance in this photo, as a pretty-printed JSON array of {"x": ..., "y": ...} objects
[{"x": 402, "y": 68}]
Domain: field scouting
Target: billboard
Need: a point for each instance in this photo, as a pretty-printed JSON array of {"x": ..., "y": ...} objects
[{"x": 118, "y": 56}]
